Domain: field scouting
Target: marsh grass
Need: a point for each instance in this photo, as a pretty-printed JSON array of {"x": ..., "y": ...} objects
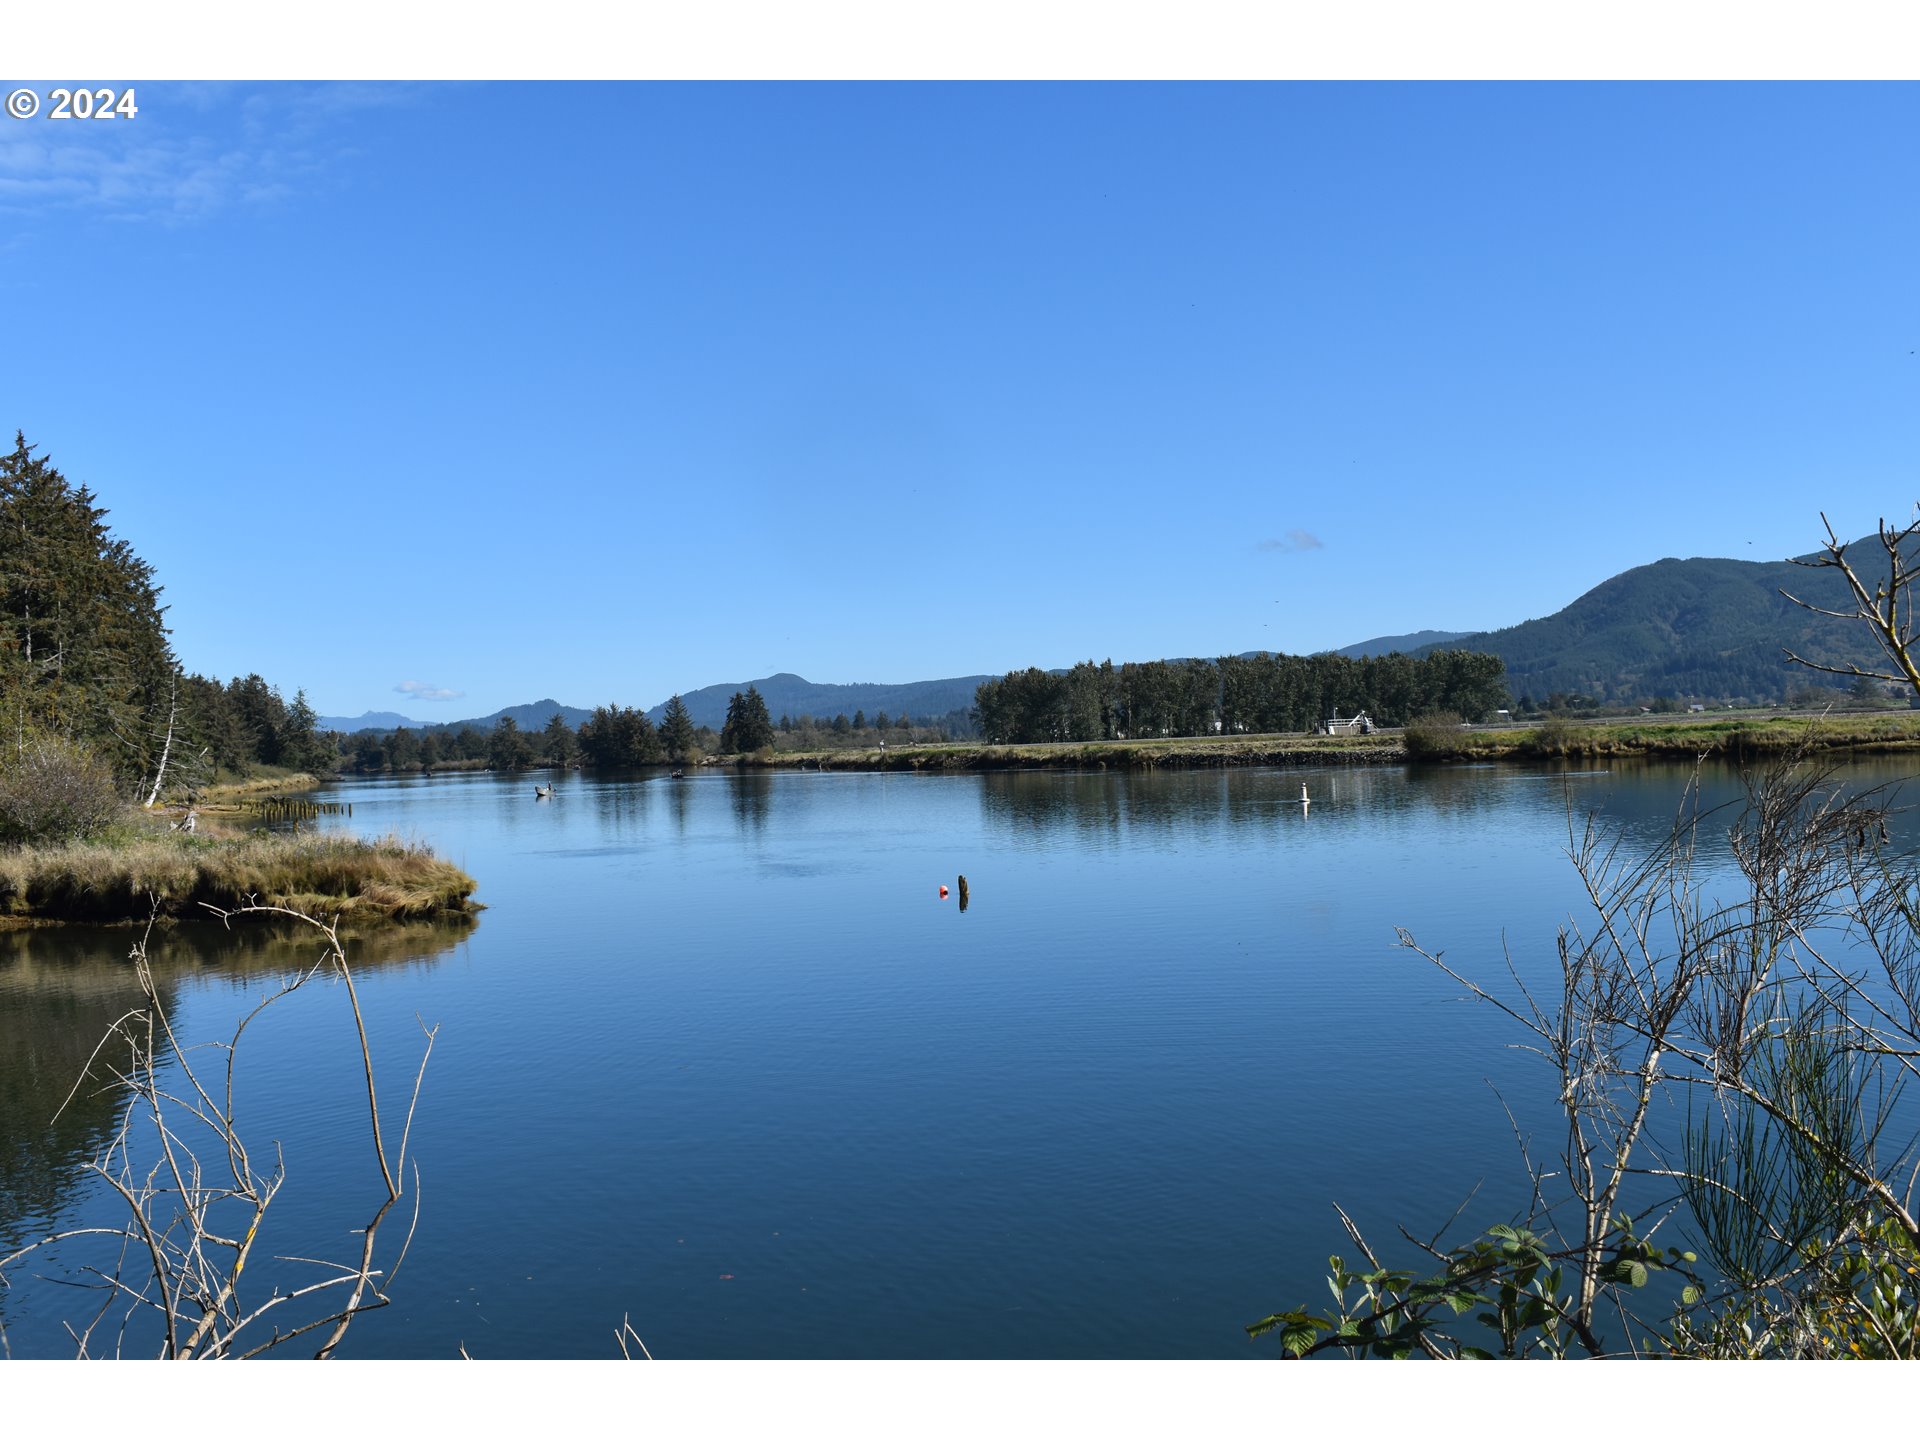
[{"x": 112, "y": 877}]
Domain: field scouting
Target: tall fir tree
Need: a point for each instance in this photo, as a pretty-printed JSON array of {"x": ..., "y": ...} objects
[
  {"x": 84, "y": 649},
  {"x": 676, "y": 729}
]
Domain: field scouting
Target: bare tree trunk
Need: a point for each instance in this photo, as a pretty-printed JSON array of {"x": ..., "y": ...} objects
[{"x": 173, "y": 711}]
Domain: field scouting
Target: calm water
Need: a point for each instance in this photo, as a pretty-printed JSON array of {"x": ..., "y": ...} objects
[{"x": 717, "y": 1056}]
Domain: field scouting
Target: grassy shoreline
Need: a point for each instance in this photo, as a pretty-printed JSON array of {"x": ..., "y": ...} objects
[
  {"x": 1734, "y": 737},
  {"x": 131, "y": 874}
]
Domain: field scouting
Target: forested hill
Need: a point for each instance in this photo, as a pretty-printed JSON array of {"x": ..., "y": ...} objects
[
  {"x": 1708, "y": 630},
  {"x": 787, "y": 694},
  {"x": 1421, "y": 641}
]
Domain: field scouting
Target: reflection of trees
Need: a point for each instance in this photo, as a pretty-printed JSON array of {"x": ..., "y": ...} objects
[
  {"x": 62, "y": 987},
  {"x": 1639, "y": 797},
  {"x": 620, "y": 802},
  {"x": 1107, "y": 809},
  {"x": 752, "y": 795},
  {"x": 679, "y": 792}
]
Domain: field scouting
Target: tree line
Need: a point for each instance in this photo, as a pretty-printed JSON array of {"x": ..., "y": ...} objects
[
  {"x": 87, "y": 662},
  {"x": 620, "y": 737},
  {"x": 1234, "y": 695}
]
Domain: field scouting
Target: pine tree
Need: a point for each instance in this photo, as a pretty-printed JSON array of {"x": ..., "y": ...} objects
[
  {"x": 508, "y": 749},
  {"x": 83, "y": 645},
  {"x": 676, "y": 729},
  {"x": 749, "y": 726},
  {"x": 557, "y": 743}
]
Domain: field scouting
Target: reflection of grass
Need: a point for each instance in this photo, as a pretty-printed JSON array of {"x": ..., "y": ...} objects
[{"x": 324, "y": 874}]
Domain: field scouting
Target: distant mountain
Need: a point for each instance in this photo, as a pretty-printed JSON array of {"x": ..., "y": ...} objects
[
  {"x": 527, "y": 717},
  {"x": 1700, "y": 629},
  {"x": 371, "y": 720},
  {"x": 1703, "y": 629},
  {"x": 788, "y": 694},
  {"x": 1422, "y": 640},
  {"x": 531, "y": 717}
]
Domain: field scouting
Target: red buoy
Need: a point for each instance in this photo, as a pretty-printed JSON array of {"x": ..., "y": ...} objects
[{"x": 943, "y": 892}]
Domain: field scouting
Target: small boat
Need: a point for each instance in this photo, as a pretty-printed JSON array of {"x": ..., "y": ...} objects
[{"x": 543, "y": 792}]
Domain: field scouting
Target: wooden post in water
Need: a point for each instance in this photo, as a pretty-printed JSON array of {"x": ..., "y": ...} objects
[{"x": 963, "y": 892}]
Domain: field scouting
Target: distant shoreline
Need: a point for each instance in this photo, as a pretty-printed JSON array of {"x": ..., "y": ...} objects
[{"x": 1742, "y": 737}]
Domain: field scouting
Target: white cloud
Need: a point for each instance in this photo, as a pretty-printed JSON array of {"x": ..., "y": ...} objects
[
  {"x": 421, "y": 690},
  {"x": 1292, "y": 543},
  {"x": 191, "y": 151}
]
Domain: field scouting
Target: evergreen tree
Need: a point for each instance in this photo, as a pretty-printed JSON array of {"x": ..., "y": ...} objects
[
  {"x": 557, "y": 743},
  {"x": 748, "y": 725},
  {"x": 403, "y": 750},
  {"x": 616, "y": 736},
  {"x": 676, "y": 730},
  {"x": 509, "y": 749},
  {"x": 83, "y": 646},
  {"x": 301, "y": 742}
]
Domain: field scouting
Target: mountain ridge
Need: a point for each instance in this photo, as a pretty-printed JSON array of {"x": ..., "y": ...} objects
[{"x": 1705, "y": 628}]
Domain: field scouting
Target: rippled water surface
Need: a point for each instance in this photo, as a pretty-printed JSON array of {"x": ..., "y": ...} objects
[{"x": 718, "y": 1057}]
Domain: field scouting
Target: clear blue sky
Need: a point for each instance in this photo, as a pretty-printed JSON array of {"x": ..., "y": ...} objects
[{"x": 607, "y": 391}]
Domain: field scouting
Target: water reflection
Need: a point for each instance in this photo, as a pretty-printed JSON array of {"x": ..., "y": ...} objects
[
  {"x": 1639, "y": 800},
  {"x": 1104, "y": 1116},
  {"x": 752, "y": 794},
  {"x": 62, "y": 987}
]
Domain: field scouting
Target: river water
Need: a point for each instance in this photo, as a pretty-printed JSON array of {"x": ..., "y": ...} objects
[{"x": 719, "y": 1058}]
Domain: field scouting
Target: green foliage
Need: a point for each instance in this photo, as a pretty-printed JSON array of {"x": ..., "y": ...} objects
[
  {"x": 1238, "y": 694},
  {"x": 558, "y": 745},
  {"x": 676, "y": 730},
  {"x": 83, "y": 649},
  {"x": 509, "y": 749},
  {"x": 1437, "y": 736},
  {"x": 749, "y": 727},
  {"x": 617, "y": 737},
  {"x": 1556, "y": 736},
  {"x": 1511, "y": 1281},
  {"x": 1772, "y": 1027}
]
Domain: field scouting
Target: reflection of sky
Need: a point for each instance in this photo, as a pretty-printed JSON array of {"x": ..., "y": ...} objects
[{"x": 726, "y": 1025}]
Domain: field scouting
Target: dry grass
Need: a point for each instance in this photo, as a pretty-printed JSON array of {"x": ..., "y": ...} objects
[{"x": 322, "y": 874}]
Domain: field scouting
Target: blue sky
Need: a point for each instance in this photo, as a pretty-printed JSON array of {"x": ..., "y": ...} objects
[{"x": 607, "y": 391}]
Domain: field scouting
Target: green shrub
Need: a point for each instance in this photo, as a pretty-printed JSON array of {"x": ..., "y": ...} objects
[
  {"x": 1441, "y": 735},
  {"x": 1554, "y": 737},
  {"x": 53, "y": 791}
]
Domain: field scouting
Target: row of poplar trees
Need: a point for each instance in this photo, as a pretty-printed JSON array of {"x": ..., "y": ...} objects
[
  {"x": 85, "y": 654},
  {"x": 1234, "y": 695}
]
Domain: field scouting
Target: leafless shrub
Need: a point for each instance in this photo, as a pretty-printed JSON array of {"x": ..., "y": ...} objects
[
  {"x": 195, "y": 1195},
  {"x": 55, "y": 790}
]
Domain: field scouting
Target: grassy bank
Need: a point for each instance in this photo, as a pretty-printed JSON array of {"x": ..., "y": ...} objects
[
  {"x": 112, "y": 878},
  {"x": 1730, "y": 737},
  {"x": 1201, "y": 752},
  {"x": 1726, "y": 737}
]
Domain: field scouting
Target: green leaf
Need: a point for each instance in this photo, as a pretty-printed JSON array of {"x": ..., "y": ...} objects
[{"x": 1690, "y": 1295}]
